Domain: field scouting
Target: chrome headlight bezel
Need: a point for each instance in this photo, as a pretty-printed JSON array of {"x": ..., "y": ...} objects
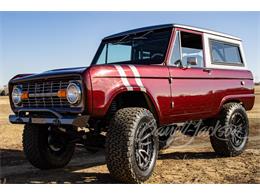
[
  {"x": 17, "y": 95},
  {"x": 74, "y": 93}
]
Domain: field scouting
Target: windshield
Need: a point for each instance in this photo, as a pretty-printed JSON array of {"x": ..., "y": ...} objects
[{"x": 142, "y": 48}]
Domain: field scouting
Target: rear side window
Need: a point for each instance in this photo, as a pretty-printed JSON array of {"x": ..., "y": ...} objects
[{"x": 225, "y": 53}]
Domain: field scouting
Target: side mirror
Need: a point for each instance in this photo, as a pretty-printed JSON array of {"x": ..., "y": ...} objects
[
  {"x": 178, "y": 63},
  {"x": 192, "y": 61}
]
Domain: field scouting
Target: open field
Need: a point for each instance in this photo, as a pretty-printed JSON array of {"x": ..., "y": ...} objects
[{"x": 193, "y": 163}]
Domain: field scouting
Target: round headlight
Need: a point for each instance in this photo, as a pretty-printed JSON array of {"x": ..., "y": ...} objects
[
  {"x": 73, "y": 93},
  {"x": 16, "y": 95}
]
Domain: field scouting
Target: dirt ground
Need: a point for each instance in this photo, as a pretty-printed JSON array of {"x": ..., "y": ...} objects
[{"x": 192, "y": 163}]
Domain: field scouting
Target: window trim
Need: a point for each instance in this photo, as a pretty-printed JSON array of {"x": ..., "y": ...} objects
[
  {"x": 242, "y": 64},
  {"x": 178, "y": 32},
  {"x": 106, "y": 41}
]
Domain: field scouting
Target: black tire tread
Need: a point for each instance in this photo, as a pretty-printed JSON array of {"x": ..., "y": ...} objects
[
  {"x": 119, "y": 143},
  {"x": 32, "y": 146},
  {"x": 223, "y": 147}
]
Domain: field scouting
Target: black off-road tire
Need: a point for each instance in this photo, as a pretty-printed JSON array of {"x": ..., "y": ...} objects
[
  {"x": 37, "y": 151},
  {"x": 120, "y": 145},
  {"x": 221, "y": 138}
]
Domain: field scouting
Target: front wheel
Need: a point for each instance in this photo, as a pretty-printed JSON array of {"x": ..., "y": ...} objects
[
  {"x": 132, "y": 145},
  {"x": 46, "y": 149}
]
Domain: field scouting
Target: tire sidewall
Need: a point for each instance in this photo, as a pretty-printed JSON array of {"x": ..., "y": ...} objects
[
  {"x": 121, "y": 144},
  {"x": 220, "y": 137},
  {"x": 56, "y": 158},
  {"x": 37, "y": 151}
]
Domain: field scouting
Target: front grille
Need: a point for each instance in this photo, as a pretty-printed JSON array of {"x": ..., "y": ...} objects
[{"x": 43, "y": 94}]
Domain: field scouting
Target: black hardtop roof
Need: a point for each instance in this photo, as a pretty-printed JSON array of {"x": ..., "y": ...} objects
[
  {"x": 138, "y": 30},
  {"x": 165, "y": 26}
]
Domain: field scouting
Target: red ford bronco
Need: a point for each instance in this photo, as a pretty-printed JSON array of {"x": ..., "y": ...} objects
[{"x": 140, "y": 84}]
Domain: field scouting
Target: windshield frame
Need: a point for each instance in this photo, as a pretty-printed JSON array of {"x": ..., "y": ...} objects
[{"x": 119, "y": 39}]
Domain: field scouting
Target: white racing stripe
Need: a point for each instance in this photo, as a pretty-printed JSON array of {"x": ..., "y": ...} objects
[
  {"x": 137, "y": 78},
  {"x": 123, "y": 78}
]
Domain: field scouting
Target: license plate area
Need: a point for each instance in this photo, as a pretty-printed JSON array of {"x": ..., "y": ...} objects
[{"x": 39, "y": 120}]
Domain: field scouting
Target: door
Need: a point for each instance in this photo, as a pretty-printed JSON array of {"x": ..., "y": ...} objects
[{"x": 190, "y": 81}]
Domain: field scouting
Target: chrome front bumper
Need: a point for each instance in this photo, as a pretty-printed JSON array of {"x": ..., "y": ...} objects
[{"x": 57, "y": 120}]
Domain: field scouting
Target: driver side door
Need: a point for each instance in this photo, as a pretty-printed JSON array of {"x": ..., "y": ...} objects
[{"x": 190, "y": 82}]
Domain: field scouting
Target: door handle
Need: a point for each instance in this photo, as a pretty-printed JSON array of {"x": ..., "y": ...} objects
[{"x": 208, "y": 70}]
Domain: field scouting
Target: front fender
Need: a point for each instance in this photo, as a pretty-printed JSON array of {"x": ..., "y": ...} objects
[{"x": 106, "y": 89}]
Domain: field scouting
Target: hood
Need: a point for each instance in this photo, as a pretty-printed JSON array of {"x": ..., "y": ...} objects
[
  {"x": 67, "y": 70},
  {"x": 51, "y": 73}
]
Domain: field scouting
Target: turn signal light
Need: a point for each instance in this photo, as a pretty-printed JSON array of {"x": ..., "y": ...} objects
[
  {"x": 25, "y": 95},
  {"x": 62, "y": 93}
]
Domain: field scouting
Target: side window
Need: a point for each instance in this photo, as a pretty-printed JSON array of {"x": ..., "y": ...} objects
[
  {"x": 102, "y": 56},
  {"x": 114, "y": 53},
  {"x": 225, "y": 53},
  {"x": 118, "y": 53},
  {"x": 176, "y": 53},
  {"x": 187, "y": 45},
  {"x": 191, "y": 46}
]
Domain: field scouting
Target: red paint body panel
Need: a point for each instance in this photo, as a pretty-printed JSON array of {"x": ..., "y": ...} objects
[
  {"x": 107, "y": 84},
  {"x": 199, "y": 94},
  {"x": 196, "y": 93}
]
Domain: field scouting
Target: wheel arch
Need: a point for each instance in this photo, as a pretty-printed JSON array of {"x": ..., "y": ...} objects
[
  {"x": 246, "y": 100},
  {"x": 133, "y": 99}
]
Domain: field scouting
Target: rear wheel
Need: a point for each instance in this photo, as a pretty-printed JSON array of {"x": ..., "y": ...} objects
[
  {"x": 231, "y": 136},
  {"x": 46, "y": 149},
  {"x": 132, "y": 145}
]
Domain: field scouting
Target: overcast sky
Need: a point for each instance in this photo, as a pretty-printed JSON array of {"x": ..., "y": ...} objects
[{"x": 32, "y": 42}]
